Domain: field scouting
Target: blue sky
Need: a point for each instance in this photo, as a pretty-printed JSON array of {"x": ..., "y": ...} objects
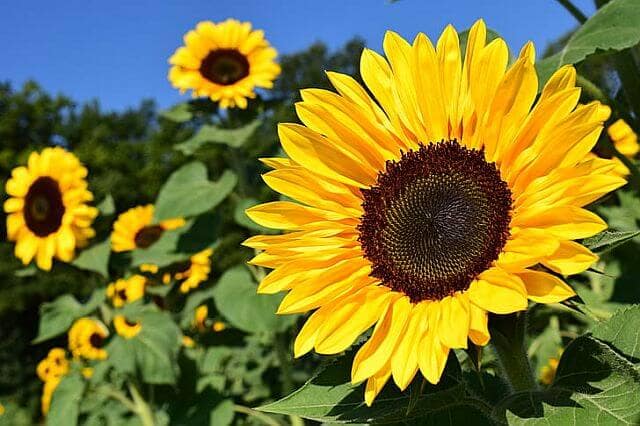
[{"x": 117, "y": 50}]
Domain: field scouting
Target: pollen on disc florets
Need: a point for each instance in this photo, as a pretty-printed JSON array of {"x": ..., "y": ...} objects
[{"x": 434, "y": 220}]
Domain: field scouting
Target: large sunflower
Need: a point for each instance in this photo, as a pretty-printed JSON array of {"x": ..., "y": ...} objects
[
  {"x": 225, "y": 62},
  {"x": 47, "y": 212},
  {"x": 450, "y": 194},
  {"x": 135, "y": 229}
]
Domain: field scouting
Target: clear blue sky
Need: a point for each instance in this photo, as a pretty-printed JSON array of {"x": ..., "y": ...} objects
[{"x": 117, "y": 50}]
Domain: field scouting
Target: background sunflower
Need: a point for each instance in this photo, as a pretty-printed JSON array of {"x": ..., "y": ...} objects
[{"x": 224, "y": 61}]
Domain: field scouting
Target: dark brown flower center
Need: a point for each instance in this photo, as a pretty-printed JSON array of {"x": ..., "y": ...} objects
[
  {"x": 122, "y": 294},
  {"x": 96, "y": 340},
  {"x": 224, "y": 66},
  {"x": 434, "y": 220},
  {"x": 44, "y": 208},
  {"x": 130, "y": 323},
  {"x": 148, "y": 235}
]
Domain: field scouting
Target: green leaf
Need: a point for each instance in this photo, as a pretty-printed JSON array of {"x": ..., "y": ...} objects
[
  {"x": 188, "y": 192},
  {"x": 28, "y": 271},
  {"x": 608, "y": 240},
  {"x": 330, "y": 397},
  {"x": 56, "y": 317},
  {"x": 236, "y": 299},
  {"x": 153, "y": 352},
  {"x": 107, "y": 206},
  {"x": 593, "y": 383},
  {"x": 234, "y": 138},
  {"x": 614, "y": 27},
  {"x": 65, "y": 403},
  {"x": 178, "y": 113},
  {"x": 95, "y": 258},
  {"x": 622, "y": 331}
]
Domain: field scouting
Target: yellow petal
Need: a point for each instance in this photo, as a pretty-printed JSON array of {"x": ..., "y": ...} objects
[
  {"x": 564, "y": 222},
  {"x": 376, "y": 352},
  {"x": 545, "y": 288},
  {"x": 454, "y": 321},
  {"x": 498, "y": 291},
  {"x": 375, "y": 384},
  {"x": 478, "y": 326},
  {"x": 404, "y": 360},
  {"x": 570, "y": 258}
]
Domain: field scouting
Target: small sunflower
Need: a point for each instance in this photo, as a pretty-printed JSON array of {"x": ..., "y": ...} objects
[
  {"x": 225, "y": 62},
  {"x": 626, "y": 142},
  {"x": 200, "y": 317},
  {"x": 47, "y": 393},
  {"x": 195, "y": 271},
  {"x": 455, "y": 193},
  {"x": 548, "y": 372},
  {"x": 126, "y": 290},
  {"x": 86, "y": 339},
  {"x": 135, "y": 229},
  {"x": 47, "y": 212},
  {"x": 219, "y": 326},
  {"x": 126, "y": 328},
  {"x": 54, "y": 365}
]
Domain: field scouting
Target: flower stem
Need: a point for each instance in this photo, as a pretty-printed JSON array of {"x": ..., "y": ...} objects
[
  {"x": 257, "y": 414},
  {"x": 142, "y": 408},
  {"x": 507, "y": 338},
  {"x": 573, "y": 10}
]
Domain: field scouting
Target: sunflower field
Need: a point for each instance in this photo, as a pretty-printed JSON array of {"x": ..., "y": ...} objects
[{"x": 438, "y": 230}]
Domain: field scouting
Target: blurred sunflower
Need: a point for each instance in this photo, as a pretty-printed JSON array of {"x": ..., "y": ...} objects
[
  {"x": 195, "y": 271},
  {"x": 51, "y": 370},
  {"x": 47, "y": 214},
  {"x": 54, "y": 365},
  {"x": 548, "y": 372},
  {"x": 86, "y": 339},
  {"x": 224, "y": 61},
  {"x": 626, "y": 142},
  {"x": 126, "y": 290},
  {"x": 200, "y": 317},
  {"x": 421, "y": 211},
  {"x": 47, "y": 392},
  {"x": 135, "y": 229},
  {"x": 126, "y": 328}
]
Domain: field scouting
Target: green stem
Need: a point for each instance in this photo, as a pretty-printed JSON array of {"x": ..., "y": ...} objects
[
  {"x": 257, "y": 414},
  {"x": 573, "y": 10},
  {"x": 507, "y": 338},
  {"x": 118, "y": 396},
  {"x": 142, "y": 408}
]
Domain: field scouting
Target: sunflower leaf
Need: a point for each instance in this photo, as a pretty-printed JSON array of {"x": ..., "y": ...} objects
[
  {"x": 236, "y": 299},
  {"x": 56, "y": 317},
  {"x": 188, "y": 192},
  {"x": 608, "y": 240},
  {"x": 178, "y": 113},
  {"x": 614, "y": 27},
  {"x": 107, "y": 206},
  {"x": 592, "y": 382},
  {"x": 95, "y": 258},
  {"x": 330, "y": 397},
  {"x": 621, "y": 331},
  {"x": 153, "y": 351},
  {"x": 65, "y": 402},
  {"x": 234, "y": 138}
]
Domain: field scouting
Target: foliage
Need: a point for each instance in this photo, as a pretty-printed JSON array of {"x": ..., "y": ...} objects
[{"x": 218, "y": 354}]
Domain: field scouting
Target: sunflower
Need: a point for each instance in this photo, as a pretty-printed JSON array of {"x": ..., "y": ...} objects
[
  {"x": 451, "y": 195},
  {"x": 86, "y": 339},
  {"x": 195, "y": 271},
  {"x": 47, "y": 214},
  {"x": 126, "y": 290},
  {"x": 200, "y": 317},
  {"x": 47, "y": 393},
  {"x": 54, "y": 365},
  {"x": 548, "y": 372},
  {"x": 126, "y": 328},
  {"x": 135, "y": 229},
  {"x": 626, "y": 142},
  {"x": 225, "y": 62}
]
